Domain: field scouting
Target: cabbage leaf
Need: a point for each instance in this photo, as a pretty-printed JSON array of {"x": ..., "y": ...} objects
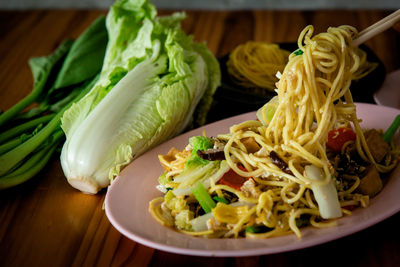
[{"x": 153, "y": 78}]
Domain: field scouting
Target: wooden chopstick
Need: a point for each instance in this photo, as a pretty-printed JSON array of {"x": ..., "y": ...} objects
[{"x": 378, "y": 27}]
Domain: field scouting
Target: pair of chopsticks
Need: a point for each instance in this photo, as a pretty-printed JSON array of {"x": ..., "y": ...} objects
[{"x": 378, "y": 27}]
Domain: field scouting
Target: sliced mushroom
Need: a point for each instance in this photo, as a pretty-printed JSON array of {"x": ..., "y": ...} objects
[
  {"x": 278, "y": 161},
  {"x": 211, "y": 154}
]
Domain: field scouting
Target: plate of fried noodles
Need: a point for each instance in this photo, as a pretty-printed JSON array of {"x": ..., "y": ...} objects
[{"x": 308, "y": 167}]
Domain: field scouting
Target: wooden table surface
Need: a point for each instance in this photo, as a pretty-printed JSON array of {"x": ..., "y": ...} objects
[{"x": 45, "y": 222}]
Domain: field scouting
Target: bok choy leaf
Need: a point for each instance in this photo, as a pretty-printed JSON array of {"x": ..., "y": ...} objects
[{"x": 29, "y": 136}]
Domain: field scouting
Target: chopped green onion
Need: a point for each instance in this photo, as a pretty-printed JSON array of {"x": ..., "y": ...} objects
[
  {"x": 298, "y": 52},
  {"x": 257, "y": 229},
  {"x": 392, "y": 129},
  {"x": 202, "y": 196},
  {"x": 221, "y": 199}
]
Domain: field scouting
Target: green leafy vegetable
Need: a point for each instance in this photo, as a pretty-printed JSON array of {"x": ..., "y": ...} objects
[
  {"x": 85, "y": 58},
  {"x": 298, "y": 52},
  {"x": 152, "y": 79},
  {"x": 201, "y": 143},
  {"x": 33, "y": 136},
  {"x": 221, "y": 199},
  {"x": 13, "y": 157}
]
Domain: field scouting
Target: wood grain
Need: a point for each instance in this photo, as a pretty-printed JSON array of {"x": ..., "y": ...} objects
[{"x": 45, "y": 222}]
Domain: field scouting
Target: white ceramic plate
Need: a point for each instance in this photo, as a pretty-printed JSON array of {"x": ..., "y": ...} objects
[
  {"x": 126, "y": 202},
  {"x": 389, "y": 94}
]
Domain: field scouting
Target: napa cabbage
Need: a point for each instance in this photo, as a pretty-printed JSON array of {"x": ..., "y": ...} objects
[{"x": 153, "y": 80}]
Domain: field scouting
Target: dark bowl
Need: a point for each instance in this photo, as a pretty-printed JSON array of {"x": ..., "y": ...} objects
[{"x": 231, "y": 99}]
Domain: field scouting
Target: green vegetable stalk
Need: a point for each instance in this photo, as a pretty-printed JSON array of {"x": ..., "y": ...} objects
[
  {"x": 202, "y": 196},
  {"x": 387, "y": 136},
  {"x": 28, "y": 139}
]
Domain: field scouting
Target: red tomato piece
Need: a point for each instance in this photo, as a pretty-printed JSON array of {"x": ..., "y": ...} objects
[
  {"x": 232, "y": 179},
  {"x": 338, "y": 137}
]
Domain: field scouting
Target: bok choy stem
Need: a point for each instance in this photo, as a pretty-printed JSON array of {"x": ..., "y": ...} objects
[
  {"x": 11, "y": 159},
  {"x": 19, "y": 129},
  {"x": 14, "y": 143},
  {"x": 33, "y": 165}
]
